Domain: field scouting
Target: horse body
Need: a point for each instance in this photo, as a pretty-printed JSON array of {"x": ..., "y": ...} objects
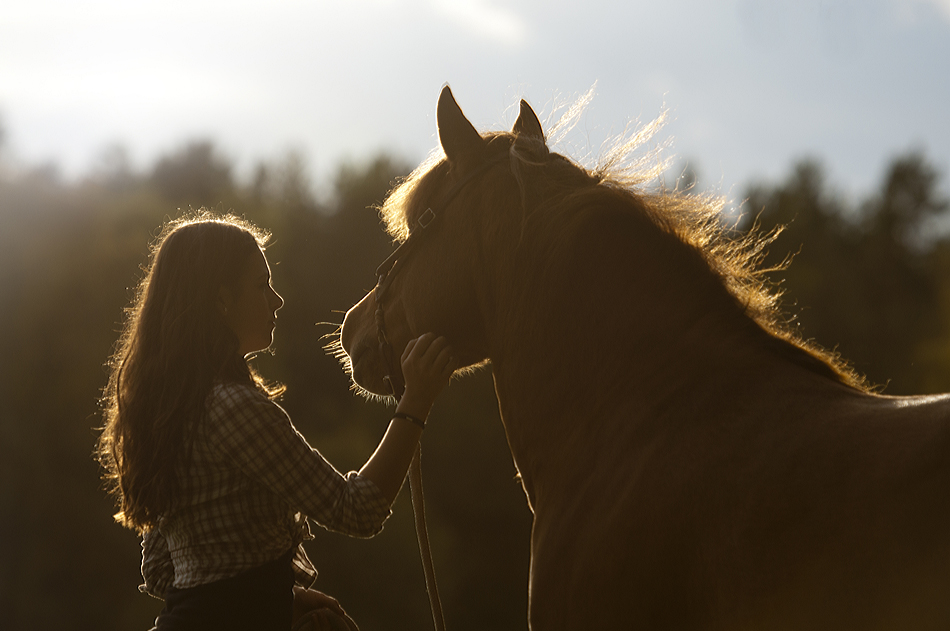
[
  {"x": 687, "y": 468},
  {"x": 709, "y": 518},
  {"x": 658, "y": 499}
]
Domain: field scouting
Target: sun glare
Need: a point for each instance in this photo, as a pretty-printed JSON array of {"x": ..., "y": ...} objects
[{"x": 486, "y": 19}]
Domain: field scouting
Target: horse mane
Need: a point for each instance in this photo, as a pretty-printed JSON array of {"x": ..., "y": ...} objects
[{"x": 734, "y": 257}]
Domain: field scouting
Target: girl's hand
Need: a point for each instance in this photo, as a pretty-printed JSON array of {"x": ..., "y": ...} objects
[
  {"x": 427, "y": 365},
  {"x": 309, "y": 599}
]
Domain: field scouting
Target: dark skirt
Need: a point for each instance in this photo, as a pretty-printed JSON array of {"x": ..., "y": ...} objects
[{"x": 259, "y": 599}]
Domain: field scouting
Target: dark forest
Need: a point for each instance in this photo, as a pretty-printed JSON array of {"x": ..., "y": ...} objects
[{"x": 868, "y": 278}]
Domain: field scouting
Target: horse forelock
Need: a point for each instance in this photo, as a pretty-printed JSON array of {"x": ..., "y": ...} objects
[
  {"x": 421, "y": 188},
  {"x": 395, "y": 209}
]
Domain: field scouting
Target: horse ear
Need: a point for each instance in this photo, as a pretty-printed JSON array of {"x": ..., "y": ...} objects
[
  {"x": 528, "y": 123},
  {"x": 457, "y": 136}
]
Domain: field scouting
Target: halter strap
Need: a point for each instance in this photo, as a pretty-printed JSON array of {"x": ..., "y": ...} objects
[{"x": 388, "y": 269}]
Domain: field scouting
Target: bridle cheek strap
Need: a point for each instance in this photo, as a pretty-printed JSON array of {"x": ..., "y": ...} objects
[
  {"x": 397, "y": 387},
  {"x": 388, "y": 269}
]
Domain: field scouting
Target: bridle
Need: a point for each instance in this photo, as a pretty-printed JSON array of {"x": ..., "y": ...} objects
[
  {"x": 385, "y": 273},
  {"x": 384, "y": 277},
  {"x": 388, "y": 269}
]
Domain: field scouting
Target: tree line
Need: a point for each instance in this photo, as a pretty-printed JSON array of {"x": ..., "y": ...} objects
[{"x": 869, "y": 278}]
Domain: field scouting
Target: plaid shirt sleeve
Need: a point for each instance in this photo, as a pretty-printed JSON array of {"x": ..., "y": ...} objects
[
  {"x": 258, "y": 437},
  {"x": 157, "y": 568}
]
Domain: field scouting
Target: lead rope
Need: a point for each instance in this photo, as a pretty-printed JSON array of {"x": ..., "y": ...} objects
[
  {"x": 422, "y": 533},
  {"x": 418, "y": 505},
  {"x": 384, "y": 275}
]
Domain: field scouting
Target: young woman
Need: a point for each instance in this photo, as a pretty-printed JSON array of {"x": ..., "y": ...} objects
[{"x": 202, "y": 461}]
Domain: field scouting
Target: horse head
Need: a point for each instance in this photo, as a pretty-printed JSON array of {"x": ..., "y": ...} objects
[{"x": 441, "y": 214}]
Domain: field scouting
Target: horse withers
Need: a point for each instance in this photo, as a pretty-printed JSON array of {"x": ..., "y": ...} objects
[{"x": 690, "y": 462}]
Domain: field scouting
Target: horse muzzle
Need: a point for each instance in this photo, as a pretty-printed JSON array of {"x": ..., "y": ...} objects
[
  {"x": 359, "y": 339},
  {"x": 367, "y": 371}
]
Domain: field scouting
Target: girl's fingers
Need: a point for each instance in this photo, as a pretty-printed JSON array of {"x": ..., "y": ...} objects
[
  {"x": 429, "y": 354},
  {"x": 435, "y": 349},
  {"x": 409, "y": 347},
  {"x": 422, "y": 345},
  {"x": 423, "y": 342},
  {"x": 444, "y": 358}
]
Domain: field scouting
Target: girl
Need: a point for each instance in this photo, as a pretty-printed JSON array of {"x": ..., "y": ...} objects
[{"x": 202, "y": 461}]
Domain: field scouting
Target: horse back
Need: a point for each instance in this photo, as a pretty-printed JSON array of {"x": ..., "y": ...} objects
[{"x": 829, "y": 511}]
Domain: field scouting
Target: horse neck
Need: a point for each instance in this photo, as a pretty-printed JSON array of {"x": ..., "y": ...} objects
[{"x": 604, "y": 350}]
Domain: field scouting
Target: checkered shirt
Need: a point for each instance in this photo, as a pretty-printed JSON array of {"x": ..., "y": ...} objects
[{"x": 246, "y": 494}]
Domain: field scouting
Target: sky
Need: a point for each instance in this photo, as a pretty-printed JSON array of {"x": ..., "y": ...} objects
[{"x": 748, "y": 86}]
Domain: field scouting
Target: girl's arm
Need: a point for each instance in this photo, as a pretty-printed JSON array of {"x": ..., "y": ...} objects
[
  {"x": 427, "y": 365},
  {"x": 157, "y": 568},
  {"x": 257, "y": 436}
]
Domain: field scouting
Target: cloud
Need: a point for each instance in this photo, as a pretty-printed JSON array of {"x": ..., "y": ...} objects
[
  {"x": 909, "y": 10},
  {"x": 485, "y": 19},
  {"x": 943, "y": 6}
]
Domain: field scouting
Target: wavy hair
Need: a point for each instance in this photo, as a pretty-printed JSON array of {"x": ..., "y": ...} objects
[{"x": 174, "y": 346}]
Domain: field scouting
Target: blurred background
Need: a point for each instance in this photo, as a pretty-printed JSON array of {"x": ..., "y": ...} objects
[{"x": 827, "y": 116}]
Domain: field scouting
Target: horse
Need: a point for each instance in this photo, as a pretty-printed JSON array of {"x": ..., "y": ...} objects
[{"x": 690, "y": 461}]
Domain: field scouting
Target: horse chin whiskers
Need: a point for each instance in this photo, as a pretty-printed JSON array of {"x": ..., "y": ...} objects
[
  {"x": 334, "y": 348},
  {"x": 385, "y": 399}
]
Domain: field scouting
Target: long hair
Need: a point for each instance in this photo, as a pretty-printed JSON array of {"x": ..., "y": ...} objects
[{"x": 174, "y": 346}]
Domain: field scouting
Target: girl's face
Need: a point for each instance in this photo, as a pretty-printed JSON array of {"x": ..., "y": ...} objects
[{"x": 250, "y": 310}]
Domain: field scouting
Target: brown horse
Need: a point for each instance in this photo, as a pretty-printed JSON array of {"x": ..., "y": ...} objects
[{"x": 690, "y": 462}]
